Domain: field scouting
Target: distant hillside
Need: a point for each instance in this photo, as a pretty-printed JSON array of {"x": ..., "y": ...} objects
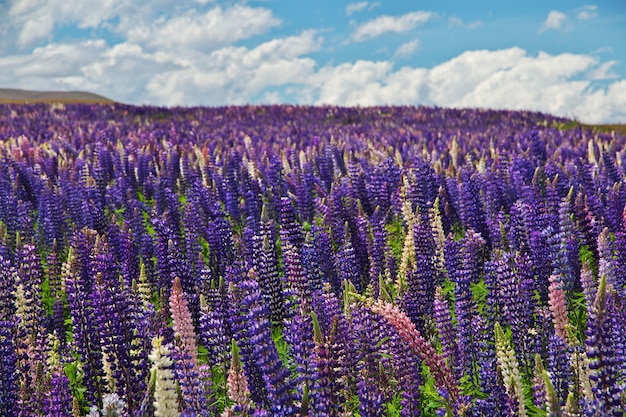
[{"x": 10, "y": 95}]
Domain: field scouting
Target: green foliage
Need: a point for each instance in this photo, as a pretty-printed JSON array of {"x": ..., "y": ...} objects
[
  {"x": 394, "y": 407},
  {"x": 577, "y": 314},
  {"x": 586, "y": 255},
  {"x": 206, "y": 251},
  {"x": 279, "y": 255},
  {"x": 352, "y": 405},
  {"x": 149, "y": 226},
  {"x": 470, "y": 387},
  {"x": 47, "y": 298},
  {"x": 479, "y": 294},
  {"x": 458, "y": 230},
  {"x": 219, "y": 397},
  {"x": 283, "y": 348},
  {"x": 77, "y": 388},
  {"x": 395, "y": 237},
  {"x": 429, "y": 396},
  {"x": 202, "y": 354}
]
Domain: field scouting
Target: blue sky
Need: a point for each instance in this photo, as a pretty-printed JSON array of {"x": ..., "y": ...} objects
[{"x": 564, "y": 57}]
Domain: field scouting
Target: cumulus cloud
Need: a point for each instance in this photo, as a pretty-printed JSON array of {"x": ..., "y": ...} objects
[
  {"x": 55, "y": 66},
  {"x": 35, "y": 20},
  {"x": 384, "y": 24},
  {"x": 204, "y": 32},
  {"x": 233, "y": 75},
  {"x": 555, "y": 20},
  {"x": 509, "y": 78}
]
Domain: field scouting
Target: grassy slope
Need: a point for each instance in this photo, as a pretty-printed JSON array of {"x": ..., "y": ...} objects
[
  {"x": 8, "y": 95},
  {"x": 605, "y": 128}
]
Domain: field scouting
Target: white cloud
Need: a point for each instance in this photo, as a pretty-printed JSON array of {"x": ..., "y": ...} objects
[
  {"x": 352, "y": 8},
  {"x": 555, "y": 20},
  {"x": 355, "y": 7},
  {"x": 35, "y": 20},
  {"x": 54, "y": 67},
  {"x": 384, "y": 24},
  {"x": 233, "y": 75},
  {"x": 407, "y": 49},
  {"x": 204, "y": 32},
  {"x": 587, "y": 12},
  {"x": 508, "y": 78},
  {"x": 455, "y": 21},
  {"x": 603, "y": 72}
]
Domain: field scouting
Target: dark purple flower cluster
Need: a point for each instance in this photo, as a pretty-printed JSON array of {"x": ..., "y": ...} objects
[{"x": 309, "y": 261}]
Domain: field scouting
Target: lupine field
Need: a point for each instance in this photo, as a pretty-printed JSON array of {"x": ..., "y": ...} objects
[{"x": 309, "y": 261}]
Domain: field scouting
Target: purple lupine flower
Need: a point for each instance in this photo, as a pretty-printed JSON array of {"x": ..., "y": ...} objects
[
  {"x": 539, "y": 384},
  {"x": 345, "y": 261},
  {"x": 267, "y": 272},
  {"x": 218, "y": 235},
  {"x": 298, "y": 333},
  {"x": 188, "y": 378},
  {"x": 238, "y": 325},
  {"x": 540, "y": 263},
  {"x": 497, "y": 401},
  {"x": 292, "y": 241},
  {"x": 86, "y": 340},
  {"x": 447, "y": 333},
  {"x": 60, "y": 399},
  {"x": 471, "y": 208},
  {"x": 559, "y": 367},
  {"x": 323, "y": 247},
  {"x": 213, "y": 335},
  {"x": 54, "y": 270},
  {"x": 7, "y": 286},
  {"x": 327, "y": 394},
  {"x": 370, "y": 399},
  {"x": 304, "y": 191},
  {"x": 462, "y": 275},
  {"x": 406, "y": 369},
  {"x": 311, "y": 261},
  {"x": 601, "y": 353},
  {"x": 8, "y": 372},
  {"x": 332, "y": 320},
  {"x": 58, "y": 321},
  {"x": 373, "y": 386},
  {"x": 30, "y": 278},
  {"x": 113, "y": 314},
  {"x": 280, "y": 396},
  {"x": 422, "y": 282},
  {"x": 515, "y": 299}
]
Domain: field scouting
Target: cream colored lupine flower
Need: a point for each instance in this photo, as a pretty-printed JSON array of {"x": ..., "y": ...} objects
[
  {"x": 507, "y": 363},
  {"x": 165, "y": 397}
]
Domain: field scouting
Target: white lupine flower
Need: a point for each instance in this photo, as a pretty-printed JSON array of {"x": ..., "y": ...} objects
[
  {"x": 165, "y": 398},
  {"x": 112, "y": 406}
]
